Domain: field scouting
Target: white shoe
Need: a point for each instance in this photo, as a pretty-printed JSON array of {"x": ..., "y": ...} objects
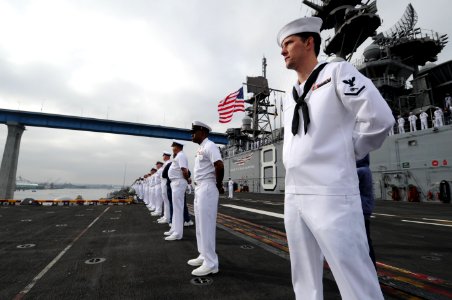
[
  {"x": 162, "y": 220},
  {"x": 172, "y": 238},
  {"x": 168, "y": 233},
  {"x": 195, "y": 262},
  {"x": 203, "y": 271},
  {"x": 189, "y": 223},
  {"x": 154, "y": 214}
]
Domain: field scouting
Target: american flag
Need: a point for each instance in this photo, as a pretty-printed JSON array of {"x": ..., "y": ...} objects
[{"x": 232, "y": 103}]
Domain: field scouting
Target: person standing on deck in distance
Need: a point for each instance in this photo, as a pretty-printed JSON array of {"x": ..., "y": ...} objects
[
  {"x": 178, "y": 174},
  {"x": 208, "y": 177},
  {"x": 333, "y": 116},
  {"x": 423, "y": 116},
  {"x": 163, "y": 181},
  {"x": 401, "y": 122},
  {"x": 158, "y": 200},
  {"x": 412, "y": 118},
  {"x": 230, "y": 188}
]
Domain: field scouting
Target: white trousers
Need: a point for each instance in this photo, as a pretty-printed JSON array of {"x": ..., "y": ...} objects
[
  {"x": 166, "y": 207},
  {"x": 424, "y": 124},
  {"x": 231, "y": 191},
  {"x": 331, "y": 227},
  {"x": 206, "y": 207},
  {"x": 401, "y": 129},
  {"x": 412, "y": 126},
  {"x": 178, "y": 187},
  {"x": 145, "y": 195},
  {"x": 158, "y": 201}
]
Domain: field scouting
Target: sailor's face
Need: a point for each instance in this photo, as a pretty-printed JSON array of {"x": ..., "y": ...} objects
[
  {"x": 196, "y": 135},
  {"x": 293, "y": 49}
]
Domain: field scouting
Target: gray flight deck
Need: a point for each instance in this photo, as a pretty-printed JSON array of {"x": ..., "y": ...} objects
[{"x": 413, "y": 243}]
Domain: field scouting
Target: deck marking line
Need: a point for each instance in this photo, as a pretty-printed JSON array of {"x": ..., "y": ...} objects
[
  {"x": 428, "y": 223},
  {"x": 387, "y": 215},
  {"x": 22, "y": 293},
  {"x": 439, "y": 220},
  {"x": 258, "y": 211}
]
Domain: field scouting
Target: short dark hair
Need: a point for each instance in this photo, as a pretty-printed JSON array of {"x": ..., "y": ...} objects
[{"x": 317, "y": 40}]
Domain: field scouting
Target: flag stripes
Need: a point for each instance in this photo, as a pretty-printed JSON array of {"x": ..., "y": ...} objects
[{"x": 233, "y": 102}]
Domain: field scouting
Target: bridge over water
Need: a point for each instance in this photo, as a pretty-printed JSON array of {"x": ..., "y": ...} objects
[{"x": 16, "y": 121}]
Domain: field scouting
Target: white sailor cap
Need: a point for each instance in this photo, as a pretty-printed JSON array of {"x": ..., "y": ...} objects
[
  {"x": 308, "y": 24},
  {"x": 177, "y": 142},
  {"x": 168, "y": 153},
  {"x": 198, "y": 124}
]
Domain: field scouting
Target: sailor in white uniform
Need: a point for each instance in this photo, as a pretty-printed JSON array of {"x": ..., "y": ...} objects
[
  {"x": 178, "y": 174},
  {"x": 163, "y": 181},
  {"x": 401, "y": 122},
  {"x": 158, "y": 200},
  {"x": 438, "y": 117},
  {"x": 208, "y": 177},
  {"x": 412, "y": 118},
  {"x": 151, "y": 190},
  {"x": 448, "y": 101},
  {"x": 423, "y": 116},
  {"x": 146, "y": 191},
  {"x": 230, "y": 188},
  {"x": 339, "y": 118}
]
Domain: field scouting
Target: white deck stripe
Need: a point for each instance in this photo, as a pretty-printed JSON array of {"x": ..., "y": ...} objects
[
  {"x": 385, "y": 215},
  {"x": 439, "y": 220},
  {"x": 436, "y": 224},
  {"x": 55, "y": 260},
  {"x": 258, "y": 211}
]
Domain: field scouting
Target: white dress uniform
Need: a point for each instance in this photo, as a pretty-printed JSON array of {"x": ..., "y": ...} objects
[
  {"x": 448, "y": 102},
  {"x": 438, "y": 117},
  {"x": 412, "y": 119},
  {"x": 323, "y": 213},
  {"x": 164, "y": 190},
  {"x": 178, "y": 187},
  {"x": 158, "y": 200},
  {"x": 206, "y": 202},
  {"x": 230, "y": 189},
  {"x": 423, "y": 116},
  {"x": 146, "y": 192},
  {"x": 151, "y": 192},
  {"x": 401, "y": 122}
]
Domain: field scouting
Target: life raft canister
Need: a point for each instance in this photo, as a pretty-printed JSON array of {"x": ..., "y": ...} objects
[
  {"x": 430, "y": 195},
  {"x": 413, "y": 194}
]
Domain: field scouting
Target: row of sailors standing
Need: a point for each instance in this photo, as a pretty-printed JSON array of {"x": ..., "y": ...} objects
[
  {"x": 208, "y": 178},
  {"x": 423, "y": 116}
]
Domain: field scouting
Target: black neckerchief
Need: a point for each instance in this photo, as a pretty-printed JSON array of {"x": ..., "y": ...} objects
[{"x": 301, "y": 103}]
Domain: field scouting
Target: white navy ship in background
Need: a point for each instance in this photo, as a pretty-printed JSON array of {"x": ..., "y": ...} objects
[{"x": 411, "y": 166}]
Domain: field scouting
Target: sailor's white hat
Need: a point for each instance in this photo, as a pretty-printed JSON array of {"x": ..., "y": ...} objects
[
  {"x": 167, "y": 153},
  {"x": 177, "y": 142},
  {"x": 308, "y": 24},
  {"x": 200, "y": 124}
]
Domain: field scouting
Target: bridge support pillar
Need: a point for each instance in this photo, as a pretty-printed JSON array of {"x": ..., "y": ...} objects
[{"x": 8, "y": 167}]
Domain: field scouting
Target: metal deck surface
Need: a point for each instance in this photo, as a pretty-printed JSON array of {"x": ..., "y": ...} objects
[{"x": 118, "y": 252}]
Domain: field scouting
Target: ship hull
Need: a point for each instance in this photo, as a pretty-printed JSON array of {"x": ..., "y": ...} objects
[{"x": 405, "y": 163}]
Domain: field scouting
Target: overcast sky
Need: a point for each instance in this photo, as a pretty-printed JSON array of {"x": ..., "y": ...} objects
[{"x": 156, "y": 62}]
